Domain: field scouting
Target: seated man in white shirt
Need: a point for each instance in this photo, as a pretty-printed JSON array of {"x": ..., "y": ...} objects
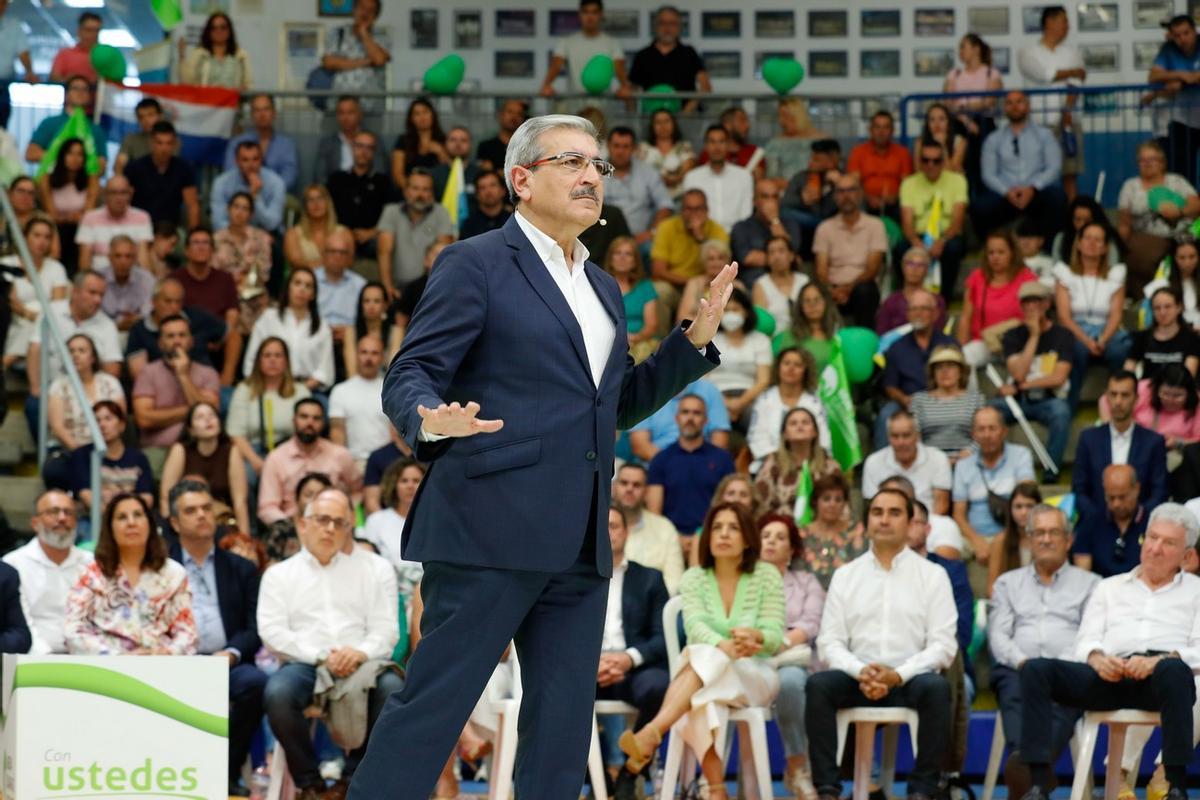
[
  {"x": 886, "y": 633},
  {"x": 1034, "y": 612},
  {"x": 927, "y": 468},
  {"x": 356, "y": 418},
  {"x": 1138, "y": 643},
  {"x": 297, "y": 623},
  {"x": 49, "y": 567}
]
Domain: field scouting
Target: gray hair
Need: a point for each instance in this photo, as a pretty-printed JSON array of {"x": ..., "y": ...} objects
[
  {"x": 185, "y": 486},
  {"x": 524, "y": 146},
  {"x": 1046, "y": 508},
  {"x": 1177, "y": 515}
]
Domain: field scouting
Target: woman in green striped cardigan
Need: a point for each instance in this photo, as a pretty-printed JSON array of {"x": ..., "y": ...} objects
[{"x": 734, "y": 614}]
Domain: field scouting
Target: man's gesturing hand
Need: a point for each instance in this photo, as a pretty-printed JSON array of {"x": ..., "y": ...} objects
[
  {"x": 456, "y": 420},
  {"x": 708, "y": 318}
]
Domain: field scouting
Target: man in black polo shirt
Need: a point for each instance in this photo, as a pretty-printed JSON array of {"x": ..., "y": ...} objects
[
  {"x": 359, "y": 194},
  {"x": 162, "y": 181},
  {"x": 491, "y": 210},
  {"x": 667, "y": 60}
]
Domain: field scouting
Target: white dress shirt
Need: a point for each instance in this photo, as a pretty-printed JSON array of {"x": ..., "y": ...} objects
[
  {"x": 44, "y": 589},
  {"x": 305, "y": 609},
  {"x": 904, "y": 617},
  {"x": 1039, "y": 64},
  {"x": 599, "y": 330},
  {"x": 1121, "y": 442},
  {"x": 614, "y": 622},
  {"x": 929, "y": 471},
  {"x": 310, "y": 354},
  {"x": 730, "y": 192},
  {"x": 1126, "y": 616}
]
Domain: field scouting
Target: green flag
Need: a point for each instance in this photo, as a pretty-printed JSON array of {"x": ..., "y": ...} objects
[
  {"x": 169, "y": 12},
  {"x": 834, "y": 391},
  {"x": 78, "y": 127},
  {"x": 802, "y": 511}
]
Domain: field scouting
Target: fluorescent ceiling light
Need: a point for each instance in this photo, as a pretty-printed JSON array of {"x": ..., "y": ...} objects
[
  {"x": 81, "y": 3},
  {"x": 118, "y": 37}
]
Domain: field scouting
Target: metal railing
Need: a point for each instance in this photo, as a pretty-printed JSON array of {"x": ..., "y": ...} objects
[{"x": 51, "y": 337}]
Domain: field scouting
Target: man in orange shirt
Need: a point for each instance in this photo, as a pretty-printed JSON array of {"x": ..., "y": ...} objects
[{"x": 881, "y": 164}]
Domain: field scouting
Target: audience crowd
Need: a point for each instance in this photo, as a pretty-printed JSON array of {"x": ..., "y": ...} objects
[{"x": 254, "y": 494}]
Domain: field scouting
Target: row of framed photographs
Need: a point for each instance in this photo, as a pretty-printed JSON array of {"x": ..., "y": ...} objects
[
  {"x": 927, "y": 62},
  {"x": 986, "y": 20}
]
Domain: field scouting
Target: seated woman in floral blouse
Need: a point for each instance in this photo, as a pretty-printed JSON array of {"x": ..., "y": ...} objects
[{"x": 132, "y": 599}]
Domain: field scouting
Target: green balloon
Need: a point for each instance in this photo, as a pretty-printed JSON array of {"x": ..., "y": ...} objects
[
  {"x": 597, "y": 74},
  {"x": 445, "y": 75},
  {"x": 650, "y": 106},
  {"x": 892, "y": 229},
  {"x": 108, "y": 62},
  {"x": 782, "y": 74},
  {"x": 766, "y": 321},
  {"x": 859, "y": 346}
]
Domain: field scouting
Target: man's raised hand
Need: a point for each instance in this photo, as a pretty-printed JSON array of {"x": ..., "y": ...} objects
[
  {"x": 456, "y": 420},
  {"x": 712, "y": 308}
]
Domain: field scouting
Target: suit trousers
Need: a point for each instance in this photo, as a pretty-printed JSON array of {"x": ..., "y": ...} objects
[
  {"x": 1006, "y": 683},
  {"x": 471, "y": 614},
  {"x": 1169, "y": 690},
  {"x": 832, "y": 690},
  {"x": 246, "y": 686}
]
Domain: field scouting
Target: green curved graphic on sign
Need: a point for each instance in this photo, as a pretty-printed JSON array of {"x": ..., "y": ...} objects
[
  {"x": 122, "y": 794},
  {"x": 117, "y": 686}
]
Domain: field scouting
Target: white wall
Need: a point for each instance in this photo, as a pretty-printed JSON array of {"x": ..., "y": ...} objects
[{"x": 260, "y": 34}]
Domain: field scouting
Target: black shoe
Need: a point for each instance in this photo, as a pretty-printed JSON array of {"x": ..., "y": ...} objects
[
  {"x": 625, "y": 787},
  {"x": 1050, "y": 478},
  {"x": 915, "y": 796},
  {"x": 828, "y": 794},
  {"x": 880, "y": 794},
  {"x": 237, "y": 790},
  {"x": 1034, "y": 793}
]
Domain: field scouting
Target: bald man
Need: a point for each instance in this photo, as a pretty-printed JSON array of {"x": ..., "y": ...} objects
[{"x": 1108, "y": 542}]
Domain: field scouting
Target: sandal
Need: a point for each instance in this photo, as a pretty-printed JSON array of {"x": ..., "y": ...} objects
[{"x": 637, "y": 760}]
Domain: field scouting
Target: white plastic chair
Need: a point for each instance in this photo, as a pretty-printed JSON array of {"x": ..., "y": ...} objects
[
  {"x": 757, "y": 782},
  {"x": 867, "y": 718},
  {"x": 595, "y": 761},
  {"x": 992, "y": 775},
  {"x": 1088, "y": 731}
]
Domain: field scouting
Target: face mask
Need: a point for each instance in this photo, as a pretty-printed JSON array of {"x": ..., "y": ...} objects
[
  {"x": 58, "y": 540},
  {"x": 733, "y": 321}
]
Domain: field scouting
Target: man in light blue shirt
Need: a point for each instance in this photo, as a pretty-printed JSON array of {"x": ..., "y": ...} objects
[
  {"x": 996, "y": 467},
  {"x": 1177, "y": 67},
  {"x": 1021, "y": 166},
  {"x": 660, "y": 429},
  {"x": 635, "y": 187},
  {"x": 264, "y": 185},
  {"x": 338, "y": 286},
  {"x": 14, "y": 44},
  {"x": 279, "y": 150}
]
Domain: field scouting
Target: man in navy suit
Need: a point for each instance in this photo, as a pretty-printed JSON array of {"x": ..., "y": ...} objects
[
  {"x": 511, "y": 526},
  {"x": 633, "y": 661},
  {"x": 1121, "y": 441},
  {"x": 224, "y": 601}
]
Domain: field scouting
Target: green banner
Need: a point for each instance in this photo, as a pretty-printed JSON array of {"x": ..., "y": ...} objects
[
  {"x": 839, "y": 407},
  {"x": 77, "y": 126},
  {"x": 169, "y": 12}
]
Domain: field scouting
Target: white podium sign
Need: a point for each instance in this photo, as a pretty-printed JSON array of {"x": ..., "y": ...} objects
[{"x": 118, "y": 727}]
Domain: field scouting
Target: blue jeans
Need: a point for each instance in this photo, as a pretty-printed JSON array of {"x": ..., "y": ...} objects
[
  {"x": 1054, "y": 413},
  {"x": 290, "y": 691},
  {"x": 789, "y": 709},
  {"x": 1114, "y": 357}
]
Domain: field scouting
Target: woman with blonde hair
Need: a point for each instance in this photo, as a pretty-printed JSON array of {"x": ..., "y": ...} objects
[
  {"x": 787, "y": 153},
  {"x": 793, "y": 383},
  {"x": 799, "y": 447},
  {"x": 734, "y": 488},
  {"x": 304, "y": 243},
  {"x": 260, "y": 411},
  {"x": 714, "y": 255},
  {"x": 624, "y": 262}
]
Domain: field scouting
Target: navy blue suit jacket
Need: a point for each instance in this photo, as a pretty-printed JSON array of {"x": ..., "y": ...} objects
[
  {"x": 14, "y": 632},
  {"x": 493, "y": 327},
  {"x": 643, "y": 596},
  {"x": 1147, "y": 456},
  {"x": 237, "y": 596}
]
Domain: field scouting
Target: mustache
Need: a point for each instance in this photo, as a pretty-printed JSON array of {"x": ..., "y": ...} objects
[{"x": 587, "y": 191}]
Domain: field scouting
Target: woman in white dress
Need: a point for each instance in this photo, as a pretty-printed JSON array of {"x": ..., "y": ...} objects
[
  {"x": 297, "y": 322},
  {"x": 40, "y": 234}
]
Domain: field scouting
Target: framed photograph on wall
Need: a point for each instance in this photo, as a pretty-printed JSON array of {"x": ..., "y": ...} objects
[
  {"x": 723, "y": 63},
  {"x": 1149, "y": 14},
  {"x": 685, "y": 22},
  {"x": 1097, "y": 17},
  {"x": 423, "y": 28},
  {"x": 1193, "y": 9},
  {"x": 932, "y": 62},
  {"x": 563, "y": 21},
  {"x": 774, "y": 24},
  {"x": 1001, "y": 58},
  {"x": 1144, "y": 54},
  {"x": 828, "y": 24},
  {"x": 334, "y": 8},
  {"x": 514, "y": 63},
  {"x": 879, "y": 23},
  {"x": 1031, "y": 19},
  {"x": 515, "y": 22},
  {"x": 721, "y": 24},
  {"x": 301, "y": 46},
  {"x": 933, "y": 22},
  {"x": 1101, "y": 57},
  {"x": 828, "y": 64},
  {"x": 468, "y": 30},
  {"x": 879, "y": 63},
  {"x": 988, "y": 20},
  {"x": 621, "y": 22},
  {"x": 762, "y": 55}
]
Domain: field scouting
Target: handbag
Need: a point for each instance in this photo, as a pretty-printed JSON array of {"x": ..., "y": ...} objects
[
  {"x": 321, "y": 79},
  {"x": 997, "y": 504}
]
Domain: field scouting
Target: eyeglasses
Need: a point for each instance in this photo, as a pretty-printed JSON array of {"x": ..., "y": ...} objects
[
  {"x": 57, "y": 512},
  {"x": 574, "y": 162},
  {"x": 326, "y": 521}
]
